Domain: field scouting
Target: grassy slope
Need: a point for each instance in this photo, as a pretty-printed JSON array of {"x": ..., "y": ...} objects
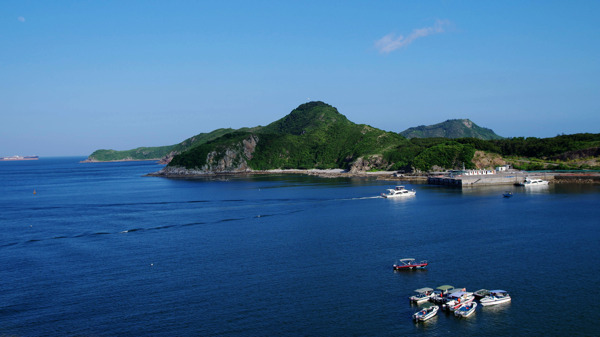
[{"x": 152, "y": 153}]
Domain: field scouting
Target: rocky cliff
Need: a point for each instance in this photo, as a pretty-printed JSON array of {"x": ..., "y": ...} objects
[{"x": 229, "y": 159}]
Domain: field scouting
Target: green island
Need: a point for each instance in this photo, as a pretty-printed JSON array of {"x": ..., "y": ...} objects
[{"x": 316, "y": 136}]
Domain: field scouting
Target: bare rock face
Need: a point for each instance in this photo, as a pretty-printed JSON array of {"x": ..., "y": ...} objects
[
  {"x": 366, "y": 164},
  {"x": 233, "y": 159},
  {"x": 483, "y": 160},
  {"x": 167, "y": 159}
]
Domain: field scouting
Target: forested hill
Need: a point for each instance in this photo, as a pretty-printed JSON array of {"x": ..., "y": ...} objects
[
  {"x": 452, "y": 128},
  {"x": 314, "y": 135}
]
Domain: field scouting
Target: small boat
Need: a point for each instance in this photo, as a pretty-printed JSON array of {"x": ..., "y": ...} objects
[
  {"x": 507, "y": 194},
  {"x": 426, "y": 313},
  {"x": 457, "y": 299},
  {"x": 398, "y": 191},
  {"x": 410, "y": 263},
  {"x": 440, "y": 293},
  {"x": 481, "y": 293},
  {"x": 495, "y": 297},
  {"x": 466, "y": 309},
  {"x": 423, "y": 295},
  {"x": 533, "y": 182}
]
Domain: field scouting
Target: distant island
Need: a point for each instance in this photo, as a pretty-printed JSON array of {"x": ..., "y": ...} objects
[
  {"x": 316, "y": 136},
  {"x": 16, "y": 158}
]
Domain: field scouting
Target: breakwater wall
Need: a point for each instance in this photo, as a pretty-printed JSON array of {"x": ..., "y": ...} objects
[{"x": 577, "y": 178}]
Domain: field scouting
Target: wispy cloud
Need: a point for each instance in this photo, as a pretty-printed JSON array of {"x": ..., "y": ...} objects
[
  {"x": 391, "y": 42},
  {"x": 20, "y": 18}
]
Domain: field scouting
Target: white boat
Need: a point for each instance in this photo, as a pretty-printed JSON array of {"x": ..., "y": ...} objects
[
  {"x": 440, "y": 294},
  {"x": 426, "y": 313},
  {"x": 533, "y": 182},
  {"x": 398, "y": 192},
  {"x": 457, "y": 299},
  {"x": 495, "y": 297},
  {"x": 466, "y": 309},
  {"x": 423, "y": 295}
]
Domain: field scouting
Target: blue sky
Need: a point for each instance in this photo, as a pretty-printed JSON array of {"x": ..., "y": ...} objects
[{"x": 76, "y": 76}]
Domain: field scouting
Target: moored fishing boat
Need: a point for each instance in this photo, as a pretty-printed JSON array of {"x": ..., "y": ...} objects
[
  {"x": 404, "y": 264},
  {"x": 426, "y": 313},
  {"x": 423, "y": 295},
  {"x": 481, "y": 293},
  {"x": 495, "y": 297},
  {"x": 457, "y": 299},
  {"x": 440, "y": 293},
  {"x": 465, "y": 310},
  {"x": 533, "y": 182}
]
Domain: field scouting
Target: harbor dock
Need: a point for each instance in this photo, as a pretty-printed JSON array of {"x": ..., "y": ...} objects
[{"x": 504, "y": 178}]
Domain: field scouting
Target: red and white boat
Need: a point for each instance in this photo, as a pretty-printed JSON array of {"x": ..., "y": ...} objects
[{"x": 403, "y": 264}]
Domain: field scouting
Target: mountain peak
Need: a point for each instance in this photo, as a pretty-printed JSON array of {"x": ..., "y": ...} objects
[
  {"x": 452, "y": 128},
  {"x": 305, "y": 118}
]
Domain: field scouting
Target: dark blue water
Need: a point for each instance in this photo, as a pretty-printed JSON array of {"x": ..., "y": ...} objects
[{"x": 102, "y": 250}]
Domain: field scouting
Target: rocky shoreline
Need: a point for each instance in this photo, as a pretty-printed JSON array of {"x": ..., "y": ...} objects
[{"x": 176, "y": 172}]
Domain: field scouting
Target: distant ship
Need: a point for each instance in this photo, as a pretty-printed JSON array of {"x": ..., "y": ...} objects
[{"x": 20, "y": 158}]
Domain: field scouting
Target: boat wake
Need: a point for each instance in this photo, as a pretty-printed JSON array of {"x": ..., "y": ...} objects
[{"x": 364, "y": 198}]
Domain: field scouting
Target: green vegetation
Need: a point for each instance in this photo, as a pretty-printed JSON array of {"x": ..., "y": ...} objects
[
  {"x": 545, "y": 147},
  {"x": 452, "y": 128},
  {"x": 563, "y": 152},
  {"x": 425, "y": 153},
  {"x": 159, "y": 152},
  {"x": 316, "y": 135},
  {"x": 141, "y": 153}
]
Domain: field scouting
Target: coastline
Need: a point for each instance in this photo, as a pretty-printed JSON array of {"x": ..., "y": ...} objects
[
  {"x": 330, "y": 173},
  {"x": 115, "y": 161},
  {"x": 553, "y": 177}
]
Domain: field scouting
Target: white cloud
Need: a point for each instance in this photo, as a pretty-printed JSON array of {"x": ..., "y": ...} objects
[
  {"x": 391, "y": 42},
  {"x": 20, "y": 18}
]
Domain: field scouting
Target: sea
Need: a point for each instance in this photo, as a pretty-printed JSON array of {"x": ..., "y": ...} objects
[{"x": 100, "y": 249}]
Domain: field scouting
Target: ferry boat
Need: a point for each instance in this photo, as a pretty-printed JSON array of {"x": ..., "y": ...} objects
[
  {"x": 13, "y": 158},
  {"x": 423, "y": 295},
  {"x": 410, "y": 263},
  {"x": 426, "y": 313},
  {"x": 495, "y": 297},
  {"x": 533, "y": 182},
  {"x": 398, "y": 191}
]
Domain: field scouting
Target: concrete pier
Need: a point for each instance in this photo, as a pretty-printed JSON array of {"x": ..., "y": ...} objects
[{"x": 507, "y": 178}]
